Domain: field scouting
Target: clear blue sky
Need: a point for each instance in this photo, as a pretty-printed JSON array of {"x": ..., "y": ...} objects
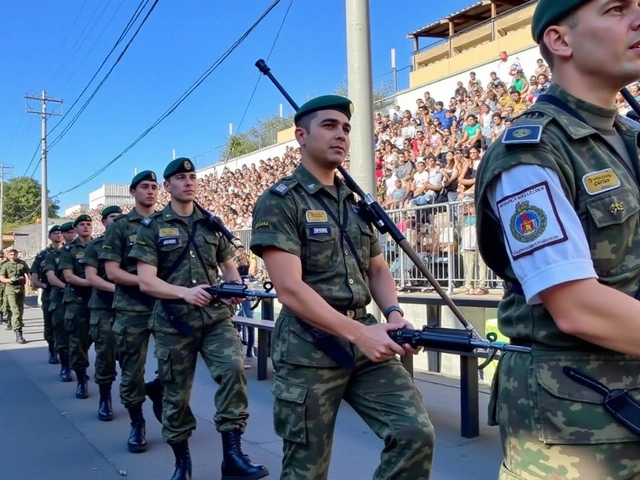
[{"x": 58, "y": 45}]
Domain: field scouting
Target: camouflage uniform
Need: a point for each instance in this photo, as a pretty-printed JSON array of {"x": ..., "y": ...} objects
[
  {"x": 76, "y": 316},
  {"x": 309, "y": 385},
  {"x": 6, "y": 316},
  {"x": 159, "y": 242},
  {"x": 37, "y": 267},
  {"x": 15, "y": 293},
  {"x": 552, "y": 427}
]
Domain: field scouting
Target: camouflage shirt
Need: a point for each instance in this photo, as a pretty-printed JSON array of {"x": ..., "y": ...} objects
[
  {"x": 163, "y": 237},
  {"x": 52, "y": 262},
  {"x": 37, "y": 267},
  {"x": 71, "y": 258},
  {"x": 118, "y": 242},
  {"x": 99, "y": 298},
  {"x": 10, "y": 269},
  {"x": 593, "y": 179},
  {"x": 291, "y": 216}
]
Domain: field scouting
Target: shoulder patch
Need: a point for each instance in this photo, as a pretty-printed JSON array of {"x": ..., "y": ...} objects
[
  {"x": 283, "y": 186},
  {"x": 147, "y": 221},
  {"x": 522, "y": 134},
  {"x": 67, "y": 247}
]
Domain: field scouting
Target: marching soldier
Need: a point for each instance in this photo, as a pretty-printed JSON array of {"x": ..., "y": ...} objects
[
  {"x": 102, "y": 316},
  {"x": 14, "y": 274},
  {"x": 76, "y": 301},
  {"x": 39, "y": 280},
  {"x": 178, "y": 251}
]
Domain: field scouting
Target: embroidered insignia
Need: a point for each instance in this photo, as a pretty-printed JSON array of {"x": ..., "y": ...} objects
[
  {"x": 600, "y": 181},
  {"x": 528, "y": 222},
  {"x": 187, "y": 165},
  {"x": 616, "y": 207},
  {"x": 316, "y": 216},
  {"x": 522, "y": 134},
  {"x": 262, "y": 225},
  {"x": 168, "y": 232}
]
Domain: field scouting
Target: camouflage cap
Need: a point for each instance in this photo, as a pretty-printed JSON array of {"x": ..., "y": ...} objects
[
  {"x": 66, "y": 227},
  {"x": 111, "y": 209},
  {"x": 551, "y": 12},
  {"x": 54, "y": 229},
  {"x": 325, "y": 102},
  {"x": 146, "y": 175},
  {"x": 179, "y": 165},
  {"x": 82, "y": 218}
]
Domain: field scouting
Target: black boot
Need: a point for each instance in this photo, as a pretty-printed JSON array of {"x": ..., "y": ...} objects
[
  {"x": 155, "y": 391},
  {"x": 19, "y": 338},
  {"x": 137, "y": 442},
  {"x": 82, "y": 390},
  {"x": 105, "y": 412},
  {"x": 65, "y": 371},
  {"x": 53, "y": 358},
  {"x": 235, "y": 464},
  {"x": 183, "y": 461}
]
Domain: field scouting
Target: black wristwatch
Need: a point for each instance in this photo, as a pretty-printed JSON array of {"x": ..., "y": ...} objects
[{"x": 393, "y": 308}]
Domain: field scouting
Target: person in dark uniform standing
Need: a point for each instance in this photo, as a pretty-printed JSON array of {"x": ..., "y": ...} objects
[
  {"x": 15, "y": 276},
  {"x": 102, "y": 316},
  {"x": 326, "y": 265},
  {"x": 179, "y": 251},
  {"x": 39, "y": 280}
]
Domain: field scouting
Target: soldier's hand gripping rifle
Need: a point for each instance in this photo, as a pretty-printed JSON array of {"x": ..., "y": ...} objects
[
  {"x": 467, "y": 340},
  {"x": 227, "y": 290}
]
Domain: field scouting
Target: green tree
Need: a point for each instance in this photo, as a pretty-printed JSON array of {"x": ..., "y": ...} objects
[
  {"x": 21, "y": 202},
  {"x": 262, "y": 135}
]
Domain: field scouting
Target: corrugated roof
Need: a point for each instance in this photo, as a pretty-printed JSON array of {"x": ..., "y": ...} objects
[{"x": 438, "y": 22}]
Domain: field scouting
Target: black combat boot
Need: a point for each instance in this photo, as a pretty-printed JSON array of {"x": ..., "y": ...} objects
[
  {"x": 53, "y": 358},
  {"x": 19, "y": 338},
  {"x": 105, "y": 412},
  {"x": 155, "y": 391},
  {"x": 235, "y": 464},
  {"x": 183, "y": 461},
  {"x": 82, "y": 390},
  {"x": 65, "y": 371},
  {"x": 137, "y": 442}
]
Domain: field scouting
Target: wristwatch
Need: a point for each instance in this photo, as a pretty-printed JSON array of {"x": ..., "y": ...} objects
[{"x": 393, "y": 308}]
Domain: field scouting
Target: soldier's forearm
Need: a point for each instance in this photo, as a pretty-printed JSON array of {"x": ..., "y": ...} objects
[
  {"x": 154, "y": 286},
  {"x": 99, "y": 283},
  {"x": 120, "y": 276},
  {"x": 54, "y": 281},
  {"x": 73, "y": 279}
]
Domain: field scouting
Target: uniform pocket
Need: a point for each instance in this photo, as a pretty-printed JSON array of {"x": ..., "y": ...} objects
[
  {"x": 571, "y": 414},
  {"x": 364, "y": 240},
  {"x": 167, "y": 315},
  {"x": 163, "y": 355},
  {"x": 320, "y": 253},
  {"x": 211, "y": 243},
  {"x": 119, "y": 332},
  {"x": 289, "y": 410}
]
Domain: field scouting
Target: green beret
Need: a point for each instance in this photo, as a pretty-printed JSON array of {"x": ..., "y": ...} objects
[
  {"x": 111, "y": 209},
  {"x": 179, "y": 165},
  {"x": 142, "y": 176},
  {"x": 54, "y": 229},
  {"x": 82, "y": 218},
  {"x": 551, "y": 12},
  {"x": 326, "y": 102},
  {"x": 66, "y": 227}
]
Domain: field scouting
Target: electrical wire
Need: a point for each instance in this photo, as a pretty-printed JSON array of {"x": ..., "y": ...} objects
[
  {"x": 273, "y": 45},
  {"x": 178, "y": 102}
]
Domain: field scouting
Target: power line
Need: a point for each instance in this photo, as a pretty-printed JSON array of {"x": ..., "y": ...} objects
[
  {"x": 275, "y": 40},
  {"x": 178, "y": 102}
]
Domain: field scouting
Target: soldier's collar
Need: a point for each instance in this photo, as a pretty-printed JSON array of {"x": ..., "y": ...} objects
[
  {"x": 168, "y": 214},
  {"x": 312, "y": 185}
]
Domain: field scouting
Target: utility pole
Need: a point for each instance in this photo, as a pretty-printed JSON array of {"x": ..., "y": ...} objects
[
  {"x": 44, "y": 116},
  {"x": 361, "y": 94},
  {"x": 4, "y": 170}
]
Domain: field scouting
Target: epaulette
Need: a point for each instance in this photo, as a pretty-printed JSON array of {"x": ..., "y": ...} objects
[
  {"x": 522, "y": 134},
  {"x": 68, "y": 247},
  {"x": 283, "y": 186},
  {"x": 122, "y": 215},
  {"x": 147, "y": 221}
]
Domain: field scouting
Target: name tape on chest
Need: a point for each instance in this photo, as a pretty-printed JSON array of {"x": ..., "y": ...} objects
[
  {"x": 531, "y": 220},
  {"x": 165, "y": 242},
  {"x": 316, "y": 216},
  {"x": 168, "y": 232},
  {"x": 522, "y": 134},
  {"x": 601, "y": 181},
  {"x": 319, "y": 231}
]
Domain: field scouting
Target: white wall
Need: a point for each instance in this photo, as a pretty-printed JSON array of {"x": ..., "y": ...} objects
[
  {"x": 442, "y": 90},
  {"x": 74, "y": 209}
]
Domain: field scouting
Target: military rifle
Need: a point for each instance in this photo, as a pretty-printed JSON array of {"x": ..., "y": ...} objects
[
  {"x": 468, "y": 339},
  {"x": 226, "y": 290}
]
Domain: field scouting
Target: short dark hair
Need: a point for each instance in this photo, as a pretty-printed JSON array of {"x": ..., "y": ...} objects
[
  {"x": 571, "y": 21},
  {"x": 305, "y": 122}
]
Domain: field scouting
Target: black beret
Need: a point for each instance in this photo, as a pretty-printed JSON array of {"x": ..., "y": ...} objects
[
  {"x": 66, "y": 227},
  {"x": 179, "y": 165},
  {"x": 111, "y": 209},
  {"x": 82, "y": 218},
  {"x": 142, "y": 176},
  {"x": 326, "y": 102}
]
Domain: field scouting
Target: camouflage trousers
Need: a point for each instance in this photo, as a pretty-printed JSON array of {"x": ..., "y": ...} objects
[
  {"x": 4, "y": 306},
  {"x": 47, "y": 317},
  {"x": 60, "y": 333},
  {"x": 308, "y": 390},
  {"x": 104, "y": 344},
  {"x": 553, "y": 428},
  {"x": 218, "y": 342},
  {"x": 15, "y": 304},
  {"x": 76, "y": 321}
]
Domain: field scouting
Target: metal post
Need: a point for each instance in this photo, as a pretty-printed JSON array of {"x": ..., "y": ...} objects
[
  {"x": 4, "y": 170},
  {"x": 361, "y": 94},
  {"x": 44, "y": 207},
  {"x": 394, "y": 70}
]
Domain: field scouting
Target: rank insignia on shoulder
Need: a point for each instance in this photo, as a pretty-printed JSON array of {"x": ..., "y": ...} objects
[
  {"x": 522, "y": 134},
  {"x": 147, "y": 221},
  {"x": 282, "y": 187}
]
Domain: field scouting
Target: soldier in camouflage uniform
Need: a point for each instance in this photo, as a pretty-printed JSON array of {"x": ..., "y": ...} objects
[
  {"x": 76, "y": 300},
  {"x": 14, "y": 274},
  {"x": 55, "y": 278},
  {"x": 5, "y": 317},
  {"x": 102, "y": 316},
  {"x": 558, "y": 215},
  {"x": 326, "y": 265},
  {"x": 132, "y": 309},
  {"x": 39, "y": 280},
  {"x": 178, "y": 252}
]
